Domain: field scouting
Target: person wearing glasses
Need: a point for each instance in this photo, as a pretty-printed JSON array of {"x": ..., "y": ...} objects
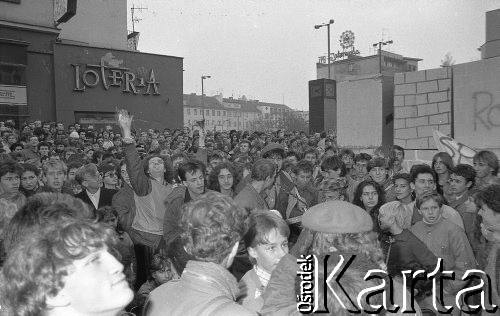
[
  {"x": 94, "y": 194},
  {"x": 109, "y": 177}
]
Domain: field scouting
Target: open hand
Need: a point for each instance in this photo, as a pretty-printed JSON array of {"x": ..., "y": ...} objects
[{"x": 124, "y": 119}]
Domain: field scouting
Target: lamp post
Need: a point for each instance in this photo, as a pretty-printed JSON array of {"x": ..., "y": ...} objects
[
  {"x": 318, "y": 26},
  {"x": 380, "y": 44},
  {"x": 203, "y": 98}
]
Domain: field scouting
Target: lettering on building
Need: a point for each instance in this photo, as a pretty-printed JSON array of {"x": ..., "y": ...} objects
[
  {"x": 486, "y": 113},
  {"x": 347, "y": 44},
  {"x": 90, "y": 76}
]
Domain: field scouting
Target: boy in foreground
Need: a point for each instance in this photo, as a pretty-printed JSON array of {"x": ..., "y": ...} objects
[{"x": 65, "y": 269}]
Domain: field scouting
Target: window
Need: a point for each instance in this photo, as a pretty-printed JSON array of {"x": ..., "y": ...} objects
[
  {"x": 207, "y": 112},
  {"x": 229, "y": 114},
  {"x": 13, "y": 61},
  {"x": 218, "y": 113},
  {"x": 213, "y": 112},
  {"x": 195, "y": 111},
  {"x": 213, "y": 122},
  {"x": 223, "y": 113},
  {"x": 189, "y": 111},
  {"x": 218, "y": 122}
]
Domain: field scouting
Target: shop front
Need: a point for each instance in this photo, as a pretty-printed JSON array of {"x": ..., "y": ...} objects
[{"x": 91, "y": 83}]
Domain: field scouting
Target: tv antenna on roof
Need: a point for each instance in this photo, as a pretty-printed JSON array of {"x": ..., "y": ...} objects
[{"x": 134, "y": 18}]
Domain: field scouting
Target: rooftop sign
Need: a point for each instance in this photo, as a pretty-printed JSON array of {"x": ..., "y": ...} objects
[{"x": 348, "y": 49}]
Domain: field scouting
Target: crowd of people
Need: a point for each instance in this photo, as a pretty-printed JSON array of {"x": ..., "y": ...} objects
[{"x": 193, "y": 222}]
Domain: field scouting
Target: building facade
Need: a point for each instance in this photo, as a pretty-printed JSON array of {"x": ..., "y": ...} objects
[
  {"x": 387, "y": 63},
  {"x": 79, "y": 69},
  {"x": 343, "y": 106},
  {"x": 223, "y": 114}
]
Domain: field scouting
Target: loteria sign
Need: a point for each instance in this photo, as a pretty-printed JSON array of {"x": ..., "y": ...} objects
[{"x": 109, "y": 73}]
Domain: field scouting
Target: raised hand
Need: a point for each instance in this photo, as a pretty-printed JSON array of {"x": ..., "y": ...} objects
[{"x": 125, "y": 121}]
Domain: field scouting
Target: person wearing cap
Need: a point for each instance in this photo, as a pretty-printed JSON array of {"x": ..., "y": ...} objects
[
  {"x": 74, "y": 134},
  {"x": 94, "y": 194},
  {"x": 379, "y": 172},
  {"x": 331, "y": 228}
]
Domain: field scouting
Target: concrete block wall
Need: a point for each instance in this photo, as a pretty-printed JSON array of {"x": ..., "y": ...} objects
[{"x": 422, "y": 102}]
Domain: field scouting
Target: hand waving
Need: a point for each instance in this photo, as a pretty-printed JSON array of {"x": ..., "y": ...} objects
[{"x": 125, "y": 121}]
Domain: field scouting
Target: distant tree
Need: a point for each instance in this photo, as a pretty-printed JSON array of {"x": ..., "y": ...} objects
[
  {"x": 447, "y": 61},
  {"x": 293, "y": 122}
]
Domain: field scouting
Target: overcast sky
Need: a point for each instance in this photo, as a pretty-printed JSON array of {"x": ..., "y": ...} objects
[{"x": 268, "y": 49}]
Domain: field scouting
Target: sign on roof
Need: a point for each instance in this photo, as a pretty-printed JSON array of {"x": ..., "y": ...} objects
[{"x": 348, "y": 49}]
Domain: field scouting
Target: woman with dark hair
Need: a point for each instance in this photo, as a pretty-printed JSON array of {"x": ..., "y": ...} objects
[
  {"x": 224, "y": 178},
  {"x": 369, "y": 195},
  {"x": 442, "y": 163}
]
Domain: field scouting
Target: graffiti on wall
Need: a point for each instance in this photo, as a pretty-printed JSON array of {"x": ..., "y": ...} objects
[{"x": 486, "y": 113}]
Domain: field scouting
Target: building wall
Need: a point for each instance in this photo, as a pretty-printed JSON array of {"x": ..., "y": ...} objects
[
  {"x": 342, "y": 70},
  {"x": 34, "y": 12},
  {"x": 491, "y": 47},
  {"x": 100, "y": 23},
  {"x": 227, "y": 120},
  {"x": 391, "y": 63},
  {"x": 359, "y": 115},
  {"x": 387, "y": 110},
  {"x": 150, "y": 110},
  {"x": 476, "y": 96},
  {"x": 422, "y": 103},
  {"x": 39, "y": 69}
]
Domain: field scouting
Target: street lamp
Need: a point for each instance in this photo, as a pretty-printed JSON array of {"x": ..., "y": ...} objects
[
  {"x": 203, "y": 98},
  {"x": 318, "y": 26},
  {"x": 380, "y": 44}
]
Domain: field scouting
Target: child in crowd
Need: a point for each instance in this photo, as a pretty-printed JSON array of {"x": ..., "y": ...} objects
[
  {"x": 161, "y": 271},
  {"x": 267, "y": 242},
  {"x": 125, "y": 247}
]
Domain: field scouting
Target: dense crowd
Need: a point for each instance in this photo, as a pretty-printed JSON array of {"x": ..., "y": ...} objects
[{"x": 194, "y": 222}]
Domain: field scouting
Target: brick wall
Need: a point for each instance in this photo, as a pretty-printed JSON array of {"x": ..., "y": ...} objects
[{"x": 422, "y": 103}]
